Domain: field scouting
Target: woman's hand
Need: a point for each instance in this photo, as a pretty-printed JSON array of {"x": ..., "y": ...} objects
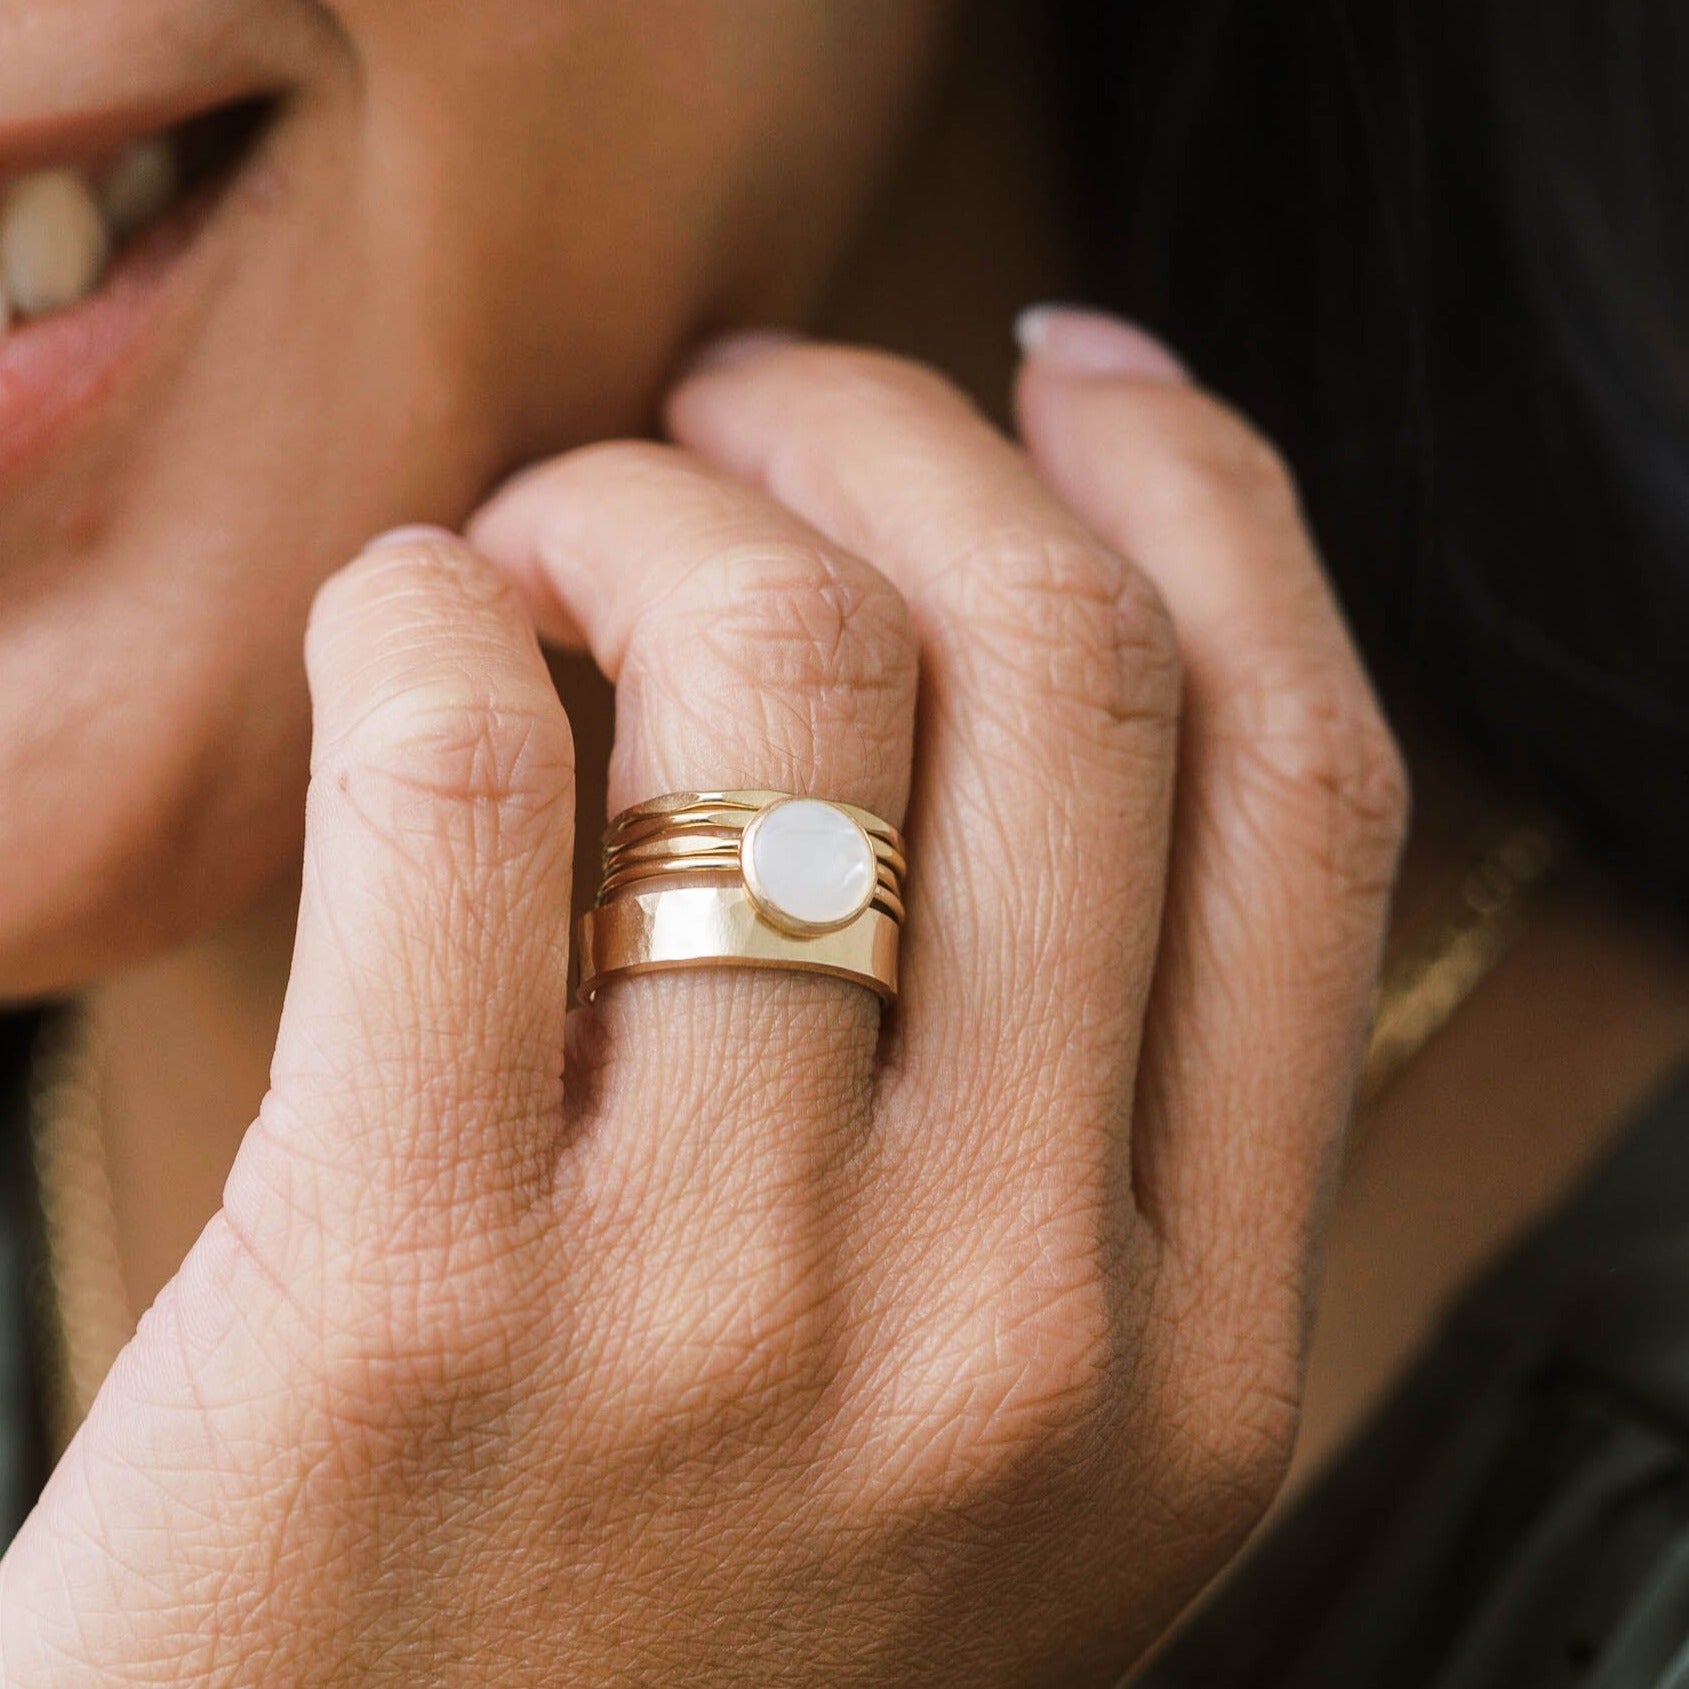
[{"x": 760, "y": 1343}]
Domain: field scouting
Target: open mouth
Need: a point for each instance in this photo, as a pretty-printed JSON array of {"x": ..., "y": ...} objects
[
  {"x": 86, "y": 243},
  {"x": 65, "y": 229}
]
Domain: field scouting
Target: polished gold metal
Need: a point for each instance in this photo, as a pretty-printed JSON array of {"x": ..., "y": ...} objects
[
  {"x": 723, "y": 842},
  {"x": 719, "y": 927},
  {"x": 634, "y": 875},
  {"x": 733, "y": 808},
  {"x": 679, "y": 889}
]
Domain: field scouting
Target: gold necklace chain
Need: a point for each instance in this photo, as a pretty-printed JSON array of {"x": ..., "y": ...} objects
[
  {"x": 89, "y": 1318},
  {"x": 1436, "y": 966},
  {"x": 1432, "y": 973}
]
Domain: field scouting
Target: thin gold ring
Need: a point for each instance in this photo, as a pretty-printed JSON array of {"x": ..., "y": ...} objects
[
  {"x": 724, "y": 841},
  {"x": 625, "y": 879},
  {"x": 734, "y": 808}
]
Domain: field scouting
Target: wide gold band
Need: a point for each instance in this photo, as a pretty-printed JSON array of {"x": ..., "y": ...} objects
[
  {"x": 680, "y": 889},
  {"x": 717, "y": 926}
]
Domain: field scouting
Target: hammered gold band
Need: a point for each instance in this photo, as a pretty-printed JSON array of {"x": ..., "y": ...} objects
[{"x": 746, "y": 879}]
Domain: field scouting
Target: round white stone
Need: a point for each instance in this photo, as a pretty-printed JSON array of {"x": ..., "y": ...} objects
[{"x": 811, "y": 863}]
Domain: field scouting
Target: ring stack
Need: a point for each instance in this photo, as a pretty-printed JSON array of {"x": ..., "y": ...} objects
[{"x": 746, "y": 879}]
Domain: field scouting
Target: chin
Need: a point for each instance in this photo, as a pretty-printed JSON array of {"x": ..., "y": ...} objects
[{"x": 139, "y": 843}]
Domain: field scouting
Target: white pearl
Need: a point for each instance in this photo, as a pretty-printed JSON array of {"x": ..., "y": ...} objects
[
  {"x": 53, "y": 242},
  {"x": 808, "y": 863}
]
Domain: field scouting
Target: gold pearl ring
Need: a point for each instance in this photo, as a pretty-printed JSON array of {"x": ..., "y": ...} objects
[{"x": 746, "y": 879}]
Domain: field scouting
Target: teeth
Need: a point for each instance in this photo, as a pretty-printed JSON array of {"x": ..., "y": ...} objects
[
  {"x": 58, "y": 228},
  {"x": 53, "y": 242},
  {"x": 140, "y": 186}
]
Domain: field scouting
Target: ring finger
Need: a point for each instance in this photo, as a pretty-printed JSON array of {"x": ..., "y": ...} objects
[{"x": 747, "y": 652}]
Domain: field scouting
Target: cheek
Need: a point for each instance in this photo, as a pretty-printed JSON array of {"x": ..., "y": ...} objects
[
  {"x": 470, "y": 245},
  {"x": 591, "y": 181},
  {"x": 157, "y": 775},
  {"x": 153, "y": 720}
]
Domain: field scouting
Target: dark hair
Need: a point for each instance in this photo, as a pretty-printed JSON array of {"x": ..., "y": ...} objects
[{"x": 1441, "y": 252}]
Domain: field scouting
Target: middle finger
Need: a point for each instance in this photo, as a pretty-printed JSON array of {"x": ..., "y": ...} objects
[{"x": 1050, "y": 691}]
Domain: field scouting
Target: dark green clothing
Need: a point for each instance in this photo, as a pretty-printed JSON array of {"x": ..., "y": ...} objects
[
  {"x": 1517, "y": 1515},
  {"x": 22, "y": 1446}
]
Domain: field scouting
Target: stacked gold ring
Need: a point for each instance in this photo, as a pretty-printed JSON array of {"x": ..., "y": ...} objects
[{"x": 746, "y": 879}]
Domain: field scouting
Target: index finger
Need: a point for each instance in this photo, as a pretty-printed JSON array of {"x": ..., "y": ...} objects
[{"x": 419, "y": 1063}]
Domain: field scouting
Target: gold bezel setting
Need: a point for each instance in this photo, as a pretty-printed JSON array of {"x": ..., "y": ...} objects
[{"x": 767, "y": 905}]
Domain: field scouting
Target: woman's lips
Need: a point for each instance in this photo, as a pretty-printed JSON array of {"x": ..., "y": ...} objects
[
  {"x": 87, "y": 256},
  {"x": 57, "y": 368}
]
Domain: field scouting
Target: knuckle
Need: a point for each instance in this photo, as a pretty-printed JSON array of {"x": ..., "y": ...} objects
[
  {"x": 807, "y": 619},
  {"x": 1235, "y": 1432},
  {"x": 453, "y": 759},
  {"x": 853, "y": 380},
  {"x": 1090, "y": 630},
  {"x": 1330, "y": 768},
  {"x": 725, "y": 1360},
  {"x": 453, "y": 739},
  {"x": 427, "y": 692},
  {"x": 1211, "y": 446},
  {"x": 1007, "y": 1386},
  {"x": 810, "y": 639},
  {"x": 439, "y": 569}
]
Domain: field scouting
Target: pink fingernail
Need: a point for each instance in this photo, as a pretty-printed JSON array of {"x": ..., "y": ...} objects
[
  {"x": 738, "y": 347},
  {"x": 413, "y": 533},
  {"x": 1080, "y": 341}
]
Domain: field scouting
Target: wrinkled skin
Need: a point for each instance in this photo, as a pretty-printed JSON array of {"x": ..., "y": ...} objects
[
  {"x": 766, "y": 1346},
  {"x": 727, "y": 1333}
]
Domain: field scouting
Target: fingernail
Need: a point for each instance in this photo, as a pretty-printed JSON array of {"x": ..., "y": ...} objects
[
  {"x": 738, "y": 347},
  {"x": 413, "y": 533},
  {"x": 1080, "y": 341}
]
